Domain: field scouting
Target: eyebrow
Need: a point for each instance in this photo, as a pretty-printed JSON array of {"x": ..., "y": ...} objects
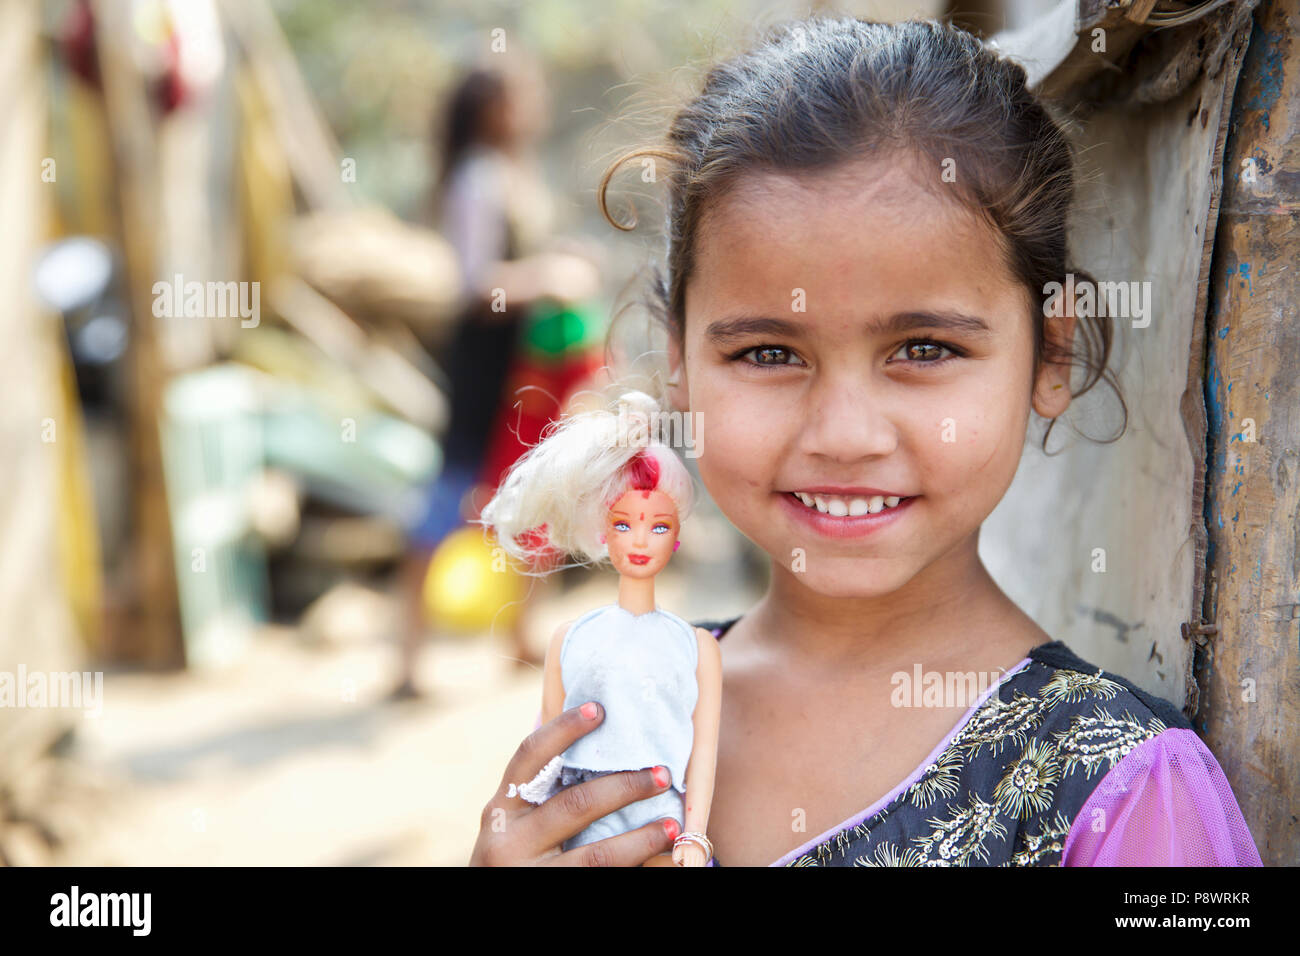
[
  {"x": 723, "y": 331},
  {"x": 624, "y": 514}
]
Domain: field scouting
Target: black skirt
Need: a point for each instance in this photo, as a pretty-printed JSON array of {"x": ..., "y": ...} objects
[{"x": 477, "y": 361}]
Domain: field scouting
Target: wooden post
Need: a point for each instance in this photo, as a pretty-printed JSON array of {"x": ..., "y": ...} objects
[
  {"x": 154, "y": 634},
  {"x": 1248, "y": 672}
]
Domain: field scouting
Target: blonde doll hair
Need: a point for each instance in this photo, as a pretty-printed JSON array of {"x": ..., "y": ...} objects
[{"x": 570, "y": 480}]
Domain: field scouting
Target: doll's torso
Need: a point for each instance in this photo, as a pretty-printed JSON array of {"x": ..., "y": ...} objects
[{"x": 642, "y": 670}]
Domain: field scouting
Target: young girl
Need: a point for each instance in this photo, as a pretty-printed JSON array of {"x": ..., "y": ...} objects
[
  {"x": 862, "y": 220},
  {"x": 495, "y": 211}
]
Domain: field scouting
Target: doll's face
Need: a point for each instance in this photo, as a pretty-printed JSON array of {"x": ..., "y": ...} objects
[
  {"x": 852, "y": 331},
  {"x": 640, "y": 531}
]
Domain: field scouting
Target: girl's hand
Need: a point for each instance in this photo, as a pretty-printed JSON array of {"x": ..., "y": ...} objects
[
  {"x": 514, "y": 832},
  {"x": 690, "y": 854}
]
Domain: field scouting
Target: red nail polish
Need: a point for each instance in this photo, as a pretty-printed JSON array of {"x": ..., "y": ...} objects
[
  {"x": 588, "y": 710},
  {"x": 661, "y": 776},
  {"x": 671, "y": 828}
]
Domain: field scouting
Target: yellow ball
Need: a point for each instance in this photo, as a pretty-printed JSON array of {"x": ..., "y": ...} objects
[{"x": 467, "y": 590}]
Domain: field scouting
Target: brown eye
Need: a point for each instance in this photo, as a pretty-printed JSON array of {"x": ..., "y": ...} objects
[
  {"x": 927, "y": 352},
  {"x": 767, "y": 356}
]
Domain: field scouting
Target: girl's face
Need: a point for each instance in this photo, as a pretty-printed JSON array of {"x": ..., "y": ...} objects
[
  {"x": 640, "y": 532},
  {"x": 521, "y": 115},
  {"x": 852, "y": 331}
]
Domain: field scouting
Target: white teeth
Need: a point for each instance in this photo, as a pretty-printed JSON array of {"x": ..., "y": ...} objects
[{"x": 847, "y": 507}]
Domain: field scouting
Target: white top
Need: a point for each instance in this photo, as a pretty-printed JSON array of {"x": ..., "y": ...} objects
[
  {"x": 642, "y": 669},
  {"x": 474, "y": 214}
]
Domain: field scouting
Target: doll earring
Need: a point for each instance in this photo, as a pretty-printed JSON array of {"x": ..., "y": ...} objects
[
  {"x": 677, "y": 544},
  {"x": 602, "y": 539}
]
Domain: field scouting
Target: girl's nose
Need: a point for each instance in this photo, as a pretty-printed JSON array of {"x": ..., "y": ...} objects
[{"x": 846, "y": 420}]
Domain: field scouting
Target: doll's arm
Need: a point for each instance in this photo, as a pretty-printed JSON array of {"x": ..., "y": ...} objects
[
  {"x": 704, "y": 751},
  {"x": 553, "y": 684}
]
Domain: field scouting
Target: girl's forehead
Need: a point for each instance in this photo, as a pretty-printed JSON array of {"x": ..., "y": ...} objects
[
  {"x": 837, "y": 204},
  {"x": 785, "y": 245},
  {"x": 882, "y": 181}
]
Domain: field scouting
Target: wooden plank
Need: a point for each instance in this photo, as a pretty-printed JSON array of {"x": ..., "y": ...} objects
[
  {"x": 308, "y": 141},
  {"x": 1249, "y": 673},
  {"x": 1139, "y": 10},
  {"x": 1192, "y": 403},
  {"x": 39, "y": 631}
]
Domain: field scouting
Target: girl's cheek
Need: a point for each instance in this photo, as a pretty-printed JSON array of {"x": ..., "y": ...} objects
[
  {"x": 735, "y": 463},
  {"x": 974, "y": 459}
]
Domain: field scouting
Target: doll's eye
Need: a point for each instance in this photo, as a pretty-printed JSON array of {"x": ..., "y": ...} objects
[
  {"x": 621, "y": 526},
  {"x": 661, "y": 529}
]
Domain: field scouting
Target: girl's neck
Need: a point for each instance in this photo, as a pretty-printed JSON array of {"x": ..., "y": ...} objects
[
  {"x": 946, "y": 610},
  {"x": 636, "y": 595}
]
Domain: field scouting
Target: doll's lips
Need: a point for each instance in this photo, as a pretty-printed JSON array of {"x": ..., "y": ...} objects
[{"x": 639, "y": 558}]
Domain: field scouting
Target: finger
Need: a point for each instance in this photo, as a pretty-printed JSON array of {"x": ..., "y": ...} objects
[
  {"x": 540, "y": 747},
  {"x": 627, "y": 849},
  {"x": 573, "y": 809}
]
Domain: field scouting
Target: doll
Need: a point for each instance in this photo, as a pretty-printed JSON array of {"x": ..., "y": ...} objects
[{"x": 601, "y": 486}]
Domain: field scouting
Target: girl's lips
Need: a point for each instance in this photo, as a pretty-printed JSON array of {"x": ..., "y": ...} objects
[
  {"x": 847, "y": 527},
  {"x": 639, "y": 558}
]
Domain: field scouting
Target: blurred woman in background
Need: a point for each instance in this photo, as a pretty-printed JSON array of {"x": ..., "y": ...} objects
[{"x": 491, "y": 204}]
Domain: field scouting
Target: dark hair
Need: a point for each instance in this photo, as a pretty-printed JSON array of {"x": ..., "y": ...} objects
[
  {"x": 818, "y": 92},
  {"x": 461, "y": 124}
]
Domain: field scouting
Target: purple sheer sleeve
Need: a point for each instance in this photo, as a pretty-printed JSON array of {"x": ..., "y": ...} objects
[{"x": 1166, "y": 803}]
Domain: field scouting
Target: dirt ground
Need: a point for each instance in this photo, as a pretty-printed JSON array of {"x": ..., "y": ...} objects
[{"x": 296, "y": 757}]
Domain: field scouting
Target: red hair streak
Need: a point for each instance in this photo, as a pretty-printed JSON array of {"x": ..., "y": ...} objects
[{"x": 643, "y": 473}]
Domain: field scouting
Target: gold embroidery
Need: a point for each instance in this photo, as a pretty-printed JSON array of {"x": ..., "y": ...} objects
[
  {"x": 997, "y": 723},
  {"x": 1075, "y": 686},
  {"x": 1039, "y": 845},
  {"x": 939, "y": 779},
  {"x": 961, "y": 836},
  {"x": 1102, "y": 738},
  {"x": 887, "y": 854},
  {"x": 1026, "y": 788}
]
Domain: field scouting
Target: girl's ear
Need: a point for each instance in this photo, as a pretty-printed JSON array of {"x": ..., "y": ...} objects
[{"x": 1052, "y": 387}]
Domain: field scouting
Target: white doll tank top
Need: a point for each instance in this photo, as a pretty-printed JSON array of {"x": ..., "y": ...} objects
[{"x": 641, "y": 669}]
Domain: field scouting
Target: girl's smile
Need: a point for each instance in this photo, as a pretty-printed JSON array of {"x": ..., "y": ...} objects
[{"x": 840, "y": 520}]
